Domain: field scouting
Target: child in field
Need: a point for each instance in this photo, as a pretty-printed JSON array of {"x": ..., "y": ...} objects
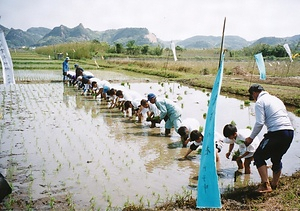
[
  {"x": 185, "y": 129},
  {"x": 151, "y": 112},
  {"x": 196, "y": 140},
  {"x": 132, "y": 108},
  {"x": 234, "y": 136}
]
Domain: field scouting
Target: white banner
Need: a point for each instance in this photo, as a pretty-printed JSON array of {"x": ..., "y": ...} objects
[
  {"x": 288, "y": 50},
  {"x": 7, "y": 65},
  {"x": 173, "y": 50}
]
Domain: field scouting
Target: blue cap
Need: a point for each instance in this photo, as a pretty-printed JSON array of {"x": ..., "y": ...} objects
[{"x": 150, "y": 96}]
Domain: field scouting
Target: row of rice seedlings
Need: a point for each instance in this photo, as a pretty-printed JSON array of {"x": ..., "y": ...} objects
[{"x": 36, "y": 75}]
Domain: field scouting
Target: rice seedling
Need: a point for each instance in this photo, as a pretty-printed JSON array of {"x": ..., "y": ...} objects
[
  {"x": 52, "y": 202},
  {"x": 92, "y": 203},
  {"x": 247, "y": 102}
]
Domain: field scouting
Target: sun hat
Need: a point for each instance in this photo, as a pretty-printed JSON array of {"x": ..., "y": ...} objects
[
  {"x": 254, "y": 88},
  {"x": 67, "y": 58},
  {"x": 75, "y": 65},
  {"x": 151, "y": 96}
]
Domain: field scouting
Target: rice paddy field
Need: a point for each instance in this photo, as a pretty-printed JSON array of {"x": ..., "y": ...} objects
[{"x": 64, "y": 151}]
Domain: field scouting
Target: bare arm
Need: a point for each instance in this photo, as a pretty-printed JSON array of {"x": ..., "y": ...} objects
[
  {"x": 243, "y": 155},
  {"x": 229, "y": 150},
  {"x": 187, "y": 153}
]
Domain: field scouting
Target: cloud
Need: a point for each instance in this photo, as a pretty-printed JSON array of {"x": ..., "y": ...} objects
[{"x": 168, "y": 19}]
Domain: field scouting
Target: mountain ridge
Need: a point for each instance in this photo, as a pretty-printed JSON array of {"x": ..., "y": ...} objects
[{"x": 41, "y": 36}]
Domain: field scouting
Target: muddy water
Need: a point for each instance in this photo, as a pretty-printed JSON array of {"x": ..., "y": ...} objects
[{"x": 56, "y": 142}]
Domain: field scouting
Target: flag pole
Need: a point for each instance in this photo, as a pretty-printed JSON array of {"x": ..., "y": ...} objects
[
  {"x": 222, "y": 42},
  {"x": 208, "y": 195},
  {"x": 252, "y": 73}
]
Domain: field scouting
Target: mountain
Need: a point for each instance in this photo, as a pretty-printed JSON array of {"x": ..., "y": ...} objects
[
  {"x": 40, "y": 36},
  {"x": 17, "y": 38},
  {"x": 293, "y": 41},
  {"x": 62, "y": 34},
  {"x": 40, "y": 31},
  {"x": 4, "y": 29},
  {"x": 231, "y": 42},
  {"x": 141, "y": 36},
  {"x": 269, "y": 41}
]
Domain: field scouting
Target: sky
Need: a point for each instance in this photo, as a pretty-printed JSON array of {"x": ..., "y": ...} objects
[{"x": 167, "y": 19}]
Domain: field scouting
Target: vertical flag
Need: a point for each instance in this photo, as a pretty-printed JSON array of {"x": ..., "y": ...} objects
[
  {"x": 261, "y": 66},
  {"x": 288, "y": 50},
  {"x": 173, "y": 50},
  {"x": 208, "y": 188},
  {"x": 7, "y": 65}
]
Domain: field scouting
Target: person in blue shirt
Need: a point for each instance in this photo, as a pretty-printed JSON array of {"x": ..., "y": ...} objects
[
  {"x": 65, "y": 68},
  {"x": 169, "y": 111}
]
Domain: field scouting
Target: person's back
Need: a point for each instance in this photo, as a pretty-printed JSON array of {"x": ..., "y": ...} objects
[
  {"x": 168, "y": 107},
  {"x": 78, "y": 70},
  {"x": 171, "y": 113},
  {"x": 269, "y": 111},
  {"x": 191, "y": 124},
  {"x": 276, "y": 116}
]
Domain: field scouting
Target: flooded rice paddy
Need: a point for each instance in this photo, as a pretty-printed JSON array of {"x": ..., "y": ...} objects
[{"x": 55, "y": 142}]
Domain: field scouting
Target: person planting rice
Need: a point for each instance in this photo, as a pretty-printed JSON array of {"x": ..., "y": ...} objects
[
  {"x": 196, "y": 139},
  {"x": 195, "y": 142},
  {"x": 78, "y": 71},
  {"x": 151, "y": 112},
  {"x": 98, "y": 87},
  {"x": 83, "y": 81},
  {"x": 71, "y": 77},
  {"x": 132, "y": 108},
  {"x": 169, "y": 109},
  {"x": 185, "y": 129},
  {"x": 234, "y": 136},
  {"x": 126, "y": 95}
]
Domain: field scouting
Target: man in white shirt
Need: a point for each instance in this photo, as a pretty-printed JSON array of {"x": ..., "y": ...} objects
[{"x": 270, "y": 111}]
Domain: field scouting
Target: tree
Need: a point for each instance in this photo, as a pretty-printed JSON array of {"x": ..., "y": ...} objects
[
  {"x": 145, "y": 49},
  {"x": 130, "y": 47},
  {"x": 119, "y": 48},
  {"x": 157, "y": 51}
]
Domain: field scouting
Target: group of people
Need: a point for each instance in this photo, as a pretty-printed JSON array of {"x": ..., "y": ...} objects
[{"x": 269, "y": 111}]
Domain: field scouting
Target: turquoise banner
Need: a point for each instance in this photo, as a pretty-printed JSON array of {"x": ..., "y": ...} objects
[
  {"x": 261, "y": 66},
  {"x": 208, "y": 187}
]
